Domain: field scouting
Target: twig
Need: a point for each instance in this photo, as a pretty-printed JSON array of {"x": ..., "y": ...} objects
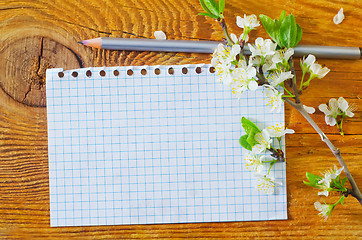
[
  {"x": 294, "y": 81},
  {"x": 278, "y": 154},
  {"x": 225, "y": 30}
]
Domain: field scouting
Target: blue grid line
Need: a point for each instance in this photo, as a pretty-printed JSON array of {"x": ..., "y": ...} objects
[{"x": 152, "y": 149}]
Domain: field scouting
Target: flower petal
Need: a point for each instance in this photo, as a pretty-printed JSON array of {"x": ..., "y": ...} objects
[
  {"x": 338, "y": 171},
  {"x": 339, "y": 17},
  {"x": 289, "y": 131},
  {"x": 253, "y": 85},
  {"x": 330, "y": 120},
  {"x": 315, "y": 68},
  {"x": 240, "y": 22},
  {"x": 342, "y": 104},
  {"x": 323, "y": 72},
  {"x": 251, "y": 72},
  {"x": 159, "y": 35},
  {"x": 325, "y": 193},
  {"x": 333, "y": 104},
  {"x": 234, "y": 37},
  {"x": 257, "y": 149},
  {"x": 310, "y": 60},
  {"x": 349, "y": 113},
  {"x": 288, "y": 54},
  {"x": 324, "y": 108},
  {"x": 260, "y": 168},
  {"x": 235, "y": 49},
  {"x": 310, "y": 110}
]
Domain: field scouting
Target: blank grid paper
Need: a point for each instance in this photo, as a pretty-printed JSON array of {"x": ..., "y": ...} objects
[{"x": 147, "y": 149}]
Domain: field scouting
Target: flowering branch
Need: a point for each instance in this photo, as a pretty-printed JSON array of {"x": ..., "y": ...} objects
[
  {"x": 271, "y": 66},
  {"x": 355, "y": 192}
]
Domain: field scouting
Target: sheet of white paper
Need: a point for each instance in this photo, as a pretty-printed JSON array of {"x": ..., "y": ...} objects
[{"x": 146, "y": 149}]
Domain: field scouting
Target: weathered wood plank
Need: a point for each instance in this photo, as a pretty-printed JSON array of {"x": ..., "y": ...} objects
[{"x": 40, "y": 34}]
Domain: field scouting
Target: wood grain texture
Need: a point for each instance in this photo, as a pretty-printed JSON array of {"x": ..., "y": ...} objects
[{"x": 37, "y": 34}]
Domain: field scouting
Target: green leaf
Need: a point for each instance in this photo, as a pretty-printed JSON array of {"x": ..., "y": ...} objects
[
  {"x": 309, "y": 184},
  {"x": 268, "y": 24},
  {"x": 215, "y": 4},
  {"x": 344, "y": 181},
  {"x": 249, "y": 125},
  {"x": 299, "y": 35},
  {"x": 282, "y": 16},
  {"x": 285, "y": 31},
  {"x": 209, "y": 15},
  {"x": 341, "y": 200},
  {"x": 221, "y": 6},
  {"x": 288, "y": 32},
  {"x": 204, "y": 7},
  {"x": 336, "y": 183},
  {"x": 212, "y": 6},
  {"x": 244, "y": 143},
  {"x": 313, "y": 178},
  {"x": 250, "y": 129},
  {"x": 251, "y": 138}
]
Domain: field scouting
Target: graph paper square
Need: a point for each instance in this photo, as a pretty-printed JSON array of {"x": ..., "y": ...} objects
[{"x": 153, "y": 148}]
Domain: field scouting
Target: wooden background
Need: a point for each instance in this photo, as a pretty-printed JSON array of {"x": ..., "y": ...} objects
[{"x": 37, "y": 34}]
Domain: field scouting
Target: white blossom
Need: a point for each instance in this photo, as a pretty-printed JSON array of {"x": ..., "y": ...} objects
[
  {"x": 345, "y": 107},
  {"x": 274, "y": 98},
  {"x": 307, "y": 62},
  {"x": 234, "y": 38},
  {"x": 243, "y": 79},
  {"x": 267, "y": 62},
  {"x": 224, "y": 72},
  {"x": 337, "y": 19},
  {"x": 279, "y": 130},
  {"x": 238, "y": 40},
  {"x": 331, "y": 111},
  {"x": 336, "y": 108},
  {"x": 282, "y": 55},
  {"x": 325, "y": 183},
  {"x": 262, "y": 47},
  {"x": 277, "y": 78},
  {"x": 331, "y": 174},
  {"x": 250, "y": 21},
  {"x": 225, "y": 55},
  {"x": 309, "y": 110},
  {"x": 324, "y": 209},
  {"x": 266, "y": 184},
  {"x": 317, "y": 71},
  {"x": 222, "y": 60},
  {"x": 159, "y": 35},
  {"x": 218, "y": 54},
  {"x": 263, "y": 142},
  {"x": 254, "y": 162}
]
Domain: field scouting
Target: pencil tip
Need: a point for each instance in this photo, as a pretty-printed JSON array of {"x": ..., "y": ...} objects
[{"x": 81, "y": 42}]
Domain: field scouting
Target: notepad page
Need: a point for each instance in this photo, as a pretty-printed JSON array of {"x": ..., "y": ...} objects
[{"x": 153, "y": 148}]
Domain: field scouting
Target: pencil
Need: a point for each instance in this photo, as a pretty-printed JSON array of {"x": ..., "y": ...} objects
[{"x": 137, "y": 44}]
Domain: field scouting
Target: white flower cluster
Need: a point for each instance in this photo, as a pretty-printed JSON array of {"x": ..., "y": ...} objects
[
  {"x": 234, "y": 73},
  {"x": 324, "y": 209},
  {"x": 336, "y": 108},
  {"x": 325, "y": 182},
  {"x": 316, "y": 70},
  {"x": 325, "y": 185},
  {"x": 255, "y": 162},
  {"x": 265, "y": 182},
  {"x": 242, "y": 73}
]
